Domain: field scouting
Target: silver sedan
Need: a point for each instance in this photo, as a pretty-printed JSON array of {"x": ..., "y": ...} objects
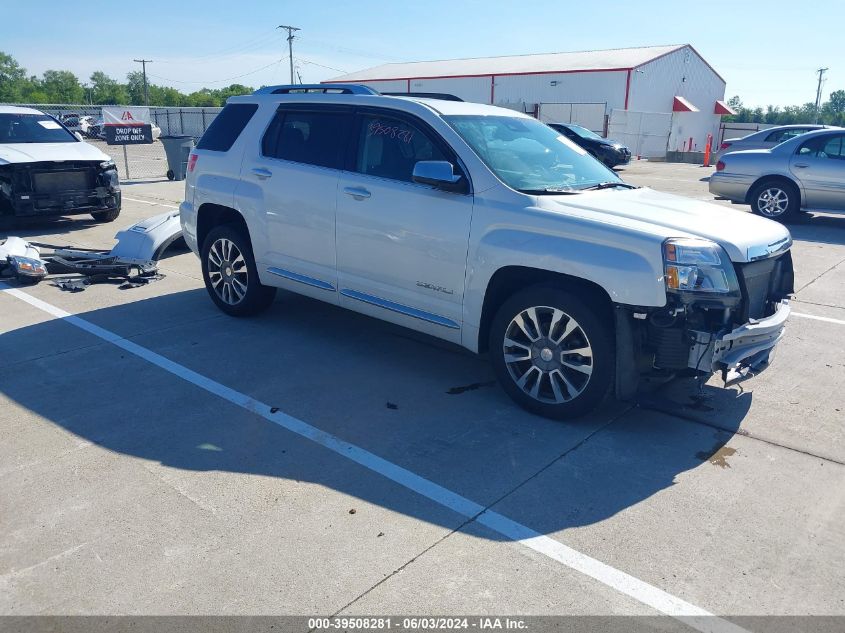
[
  {"x": 805, "y": 172},
  {"x": 765, "y": 139}
]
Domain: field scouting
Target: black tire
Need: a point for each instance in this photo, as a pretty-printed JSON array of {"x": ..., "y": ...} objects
[
  {"x": 106, "y": 216},
  {"x": 776, "y": 199},
  {"x": 239, "y": 276},
  {"x": 592, "y": 334},
  {"x": 170, "y": 175}
]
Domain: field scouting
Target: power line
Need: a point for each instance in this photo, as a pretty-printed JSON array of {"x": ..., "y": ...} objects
[
  {"x": 144, "y": 63},
  {"x": 350, "y": 51},
  {"x": 229, "y": 51},
  {"x": 215, "y": 81},
  {"x": 290, "y": 30},
  {"x": 306, "y": 61}
]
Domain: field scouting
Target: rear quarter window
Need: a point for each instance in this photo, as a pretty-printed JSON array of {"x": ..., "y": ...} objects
[{"x": 227, "y": 126}]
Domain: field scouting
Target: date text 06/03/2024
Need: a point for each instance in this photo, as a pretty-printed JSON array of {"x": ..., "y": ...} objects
[{"x": 425, "y": 623}]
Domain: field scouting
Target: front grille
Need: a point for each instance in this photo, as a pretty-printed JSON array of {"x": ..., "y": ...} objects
[
  {"x": 51, "y": 182},
  {"x": 763, "y": 283}
]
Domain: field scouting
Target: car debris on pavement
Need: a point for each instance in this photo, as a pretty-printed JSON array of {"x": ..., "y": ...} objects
[{"x": 134, "y": 259}]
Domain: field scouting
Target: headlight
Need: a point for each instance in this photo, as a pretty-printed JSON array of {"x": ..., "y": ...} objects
[
  {"x": 107, "y": 164},
  {"x": 694, "y": 265}
]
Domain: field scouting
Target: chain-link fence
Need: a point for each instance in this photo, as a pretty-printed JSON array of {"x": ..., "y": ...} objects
[{"x": 133, "y": 161}]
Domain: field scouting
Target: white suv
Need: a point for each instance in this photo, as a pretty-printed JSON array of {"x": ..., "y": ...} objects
[{"x": 484, "y": 227}]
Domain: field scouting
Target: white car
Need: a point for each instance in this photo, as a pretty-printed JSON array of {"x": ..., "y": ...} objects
[
  {"x": 46, "y": 170},
  {"x": 484, "y": 227}
]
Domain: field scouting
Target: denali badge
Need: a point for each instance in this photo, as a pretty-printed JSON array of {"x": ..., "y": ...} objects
[{"x": 423, "y": 284}]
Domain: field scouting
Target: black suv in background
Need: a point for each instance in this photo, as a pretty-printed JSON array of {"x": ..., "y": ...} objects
[{"x": 609, "y": 152}]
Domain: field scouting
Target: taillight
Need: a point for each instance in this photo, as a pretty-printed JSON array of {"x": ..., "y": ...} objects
[
  {"x": 720, "y": 166},
  {"x": 192, "y": 161},
  {"x": 724, "y": 146}
]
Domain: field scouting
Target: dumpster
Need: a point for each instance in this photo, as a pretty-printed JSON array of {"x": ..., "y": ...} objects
[{"x": 177, "y": 147}]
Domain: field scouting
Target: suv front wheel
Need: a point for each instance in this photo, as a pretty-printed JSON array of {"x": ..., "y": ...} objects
[
  {"x": 230, "y": 275},
  {"x": 552, "y": 353}
]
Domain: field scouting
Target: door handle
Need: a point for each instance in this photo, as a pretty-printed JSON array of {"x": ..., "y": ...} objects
[
  {"x": 262, "y": 173},
  {"x": 359, "y": 193},
  {"x": 801, "y": 165}
]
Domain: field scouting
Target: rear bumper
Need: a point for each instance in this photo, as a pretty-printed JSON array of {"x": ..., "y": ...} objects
[
  {"x": 188, "y": 219},
  {"x": 748, "y": 348},
  {"x": 729, "y": 186}
]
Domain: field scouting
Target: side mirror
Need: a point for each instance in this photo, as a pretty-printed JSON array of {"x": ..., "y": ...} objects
[{"x": 440, "y": 174}]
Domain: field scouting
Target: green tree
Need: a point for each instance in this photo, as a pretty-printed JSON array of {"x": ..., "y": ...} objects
[
  {"x": 772, "y": 114},
  {"x": 135, "y": 87},
  {"x": 107, "y": 91},
  {"x": 62, "y": 86},
  {"x": 836, "y": 103},
  {"x": 12, "y": 79}
]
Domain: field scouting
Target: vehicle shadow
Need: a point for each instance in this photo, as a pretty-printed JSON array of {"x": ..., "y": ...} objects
[
  {"x": 818, "y": 227},
  {"x": 428, "y": 406},
  {"x": 35, "y": 226}
]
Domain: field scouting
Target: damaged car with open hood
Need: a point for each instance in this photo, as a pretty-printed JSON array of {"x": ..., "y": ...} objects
[{"x": 47, "y": 170}]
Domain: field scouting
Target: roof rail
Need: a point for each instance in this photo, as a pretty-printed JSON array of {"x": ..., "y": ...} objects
[
  {"x": 346, "y": 89},
  {"x": 443, "y": 96}
]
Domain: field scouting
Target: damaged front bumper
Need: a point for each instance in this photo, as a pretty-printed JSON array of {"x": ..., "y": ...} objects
[{"x": 746, "y": 350}]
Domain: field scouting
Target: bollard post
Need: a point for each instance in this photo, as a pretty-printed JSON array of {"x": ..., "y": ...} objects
[
  {"x": 126, "y": 162},
  {"x": 707, "y": 148}
]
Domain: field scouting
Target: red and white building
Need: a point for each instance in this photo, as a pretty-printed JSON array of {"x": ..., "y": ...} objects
[{"x": 653, "y": 98}]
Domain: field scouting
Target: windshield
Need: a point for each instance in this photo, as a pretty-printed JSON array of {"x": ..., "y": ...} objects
[
  {"x": 584, "y": 132},
  {"x": 529, "y": 156},
  {"x": 32, "y": 128}
]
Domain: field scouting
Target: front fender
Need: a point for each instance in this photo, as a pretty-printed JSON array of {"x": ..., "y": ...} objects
[{"x": 628, "y": 267}]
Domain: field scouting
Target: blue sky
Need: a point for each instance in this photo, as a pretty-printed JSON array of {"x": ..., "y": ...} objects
[{"x": 766, "y": 50}]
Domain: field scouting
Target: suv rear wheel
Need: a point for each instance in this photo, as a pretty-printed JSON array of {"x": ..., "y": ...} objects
[
  {"x": 230, "y": 275},
  {"x": 551, "y": 352}
]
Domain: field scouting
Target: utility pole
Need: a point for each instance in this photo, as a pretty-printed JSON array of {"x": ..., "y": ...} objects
[
  {"x": 144, "y": 63},
  {"x": 290, "y": 30},
  {"x": 821, "y": 72}
]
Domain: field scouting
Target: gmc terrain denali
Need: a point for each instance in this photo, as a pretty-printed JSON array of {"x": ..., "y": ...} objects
[{"x": 484, "y": 227}]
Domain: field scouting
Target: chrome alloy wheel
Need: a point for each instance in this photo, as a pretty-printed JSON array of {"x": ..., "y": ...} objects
[
  {"x": 227, "y": 271},
  {"x": 772, "y": 202},
  {"x": 548, "y": 354}
]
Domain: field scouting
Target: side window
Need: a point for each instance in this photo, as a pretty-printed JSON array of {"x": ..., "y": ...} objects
[
  {"x": 227, "y": 126},
  {"x": 314, "y": 138},
  {"x": 389, "y": 148},
  {"x": 824, "y": 147},
  {"x": 776, "y": 137},
  {"x": 833, "y": 148}
]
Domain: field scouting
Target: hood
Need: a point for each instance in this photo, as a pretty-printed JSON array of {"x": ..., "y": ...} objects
[
  {"x": 37, "y": 152},
  {"x": 610, "y": 142},
  {"x": 646, "y": 210}
]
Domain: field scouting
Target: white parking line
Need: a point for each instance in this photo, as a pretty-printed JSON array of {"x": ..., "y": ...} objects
[
  {"x": 818, "y": 318},
  {"x": 622, "y": 582},
  {"x": 156, "y": 204}
]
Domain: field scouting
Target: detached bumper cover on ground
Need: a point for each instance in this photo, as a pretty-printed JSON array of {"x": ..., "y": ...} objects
[{"x": 138, "y": 247}]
